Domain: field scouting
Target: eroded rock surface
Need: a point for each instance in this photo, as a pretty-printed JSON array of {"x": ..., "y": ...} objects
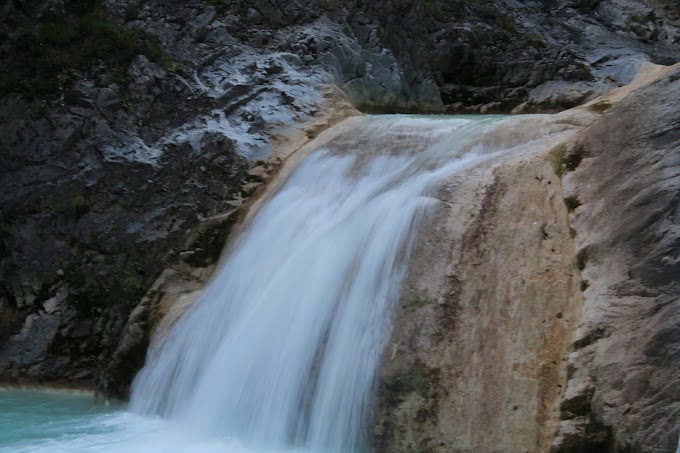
[
  {"x": 625, "y": 362},
  {"x": 477, "y": 361},
  {"x": 541, "y": 308},
  {"x": 106, "y": 174}
]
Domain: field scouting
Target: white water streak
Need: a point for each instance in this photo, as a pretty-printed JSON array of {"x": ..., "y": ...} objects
[
  {"x": 280, "y": 353},
  {"x": 283, "y": 347}
]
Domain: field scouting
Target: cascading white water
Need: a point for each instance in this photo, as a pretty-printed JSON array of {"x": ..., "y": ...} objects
[
  {"x": 282, "y": 348},
  {"x": 281, "y": 351}
]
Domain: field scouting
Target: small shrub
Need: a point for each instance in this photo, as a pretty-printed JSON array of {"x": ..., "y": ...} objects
[
  {"x": 572, "y": 202},
  {"x": 211, "y": 240},
  {"x": 572, "y": 160},
  {"x": 132, "y": 286},
  {"x": 420, "y": 301},
  {"x": 591, "y": 338},
  {"x": 584, "y": 285},
  {"x": 485, "y": 8},
  {"x": 154, "y": 50},
  {"x": 564, "y": 161},
  {"x": 582, "y": 259},
  {"x": 556, "y": 158},
  {"x": 176, "y": 68},
  {"x": 85, "y": 290},
  {"x": 5, "y": 232}
]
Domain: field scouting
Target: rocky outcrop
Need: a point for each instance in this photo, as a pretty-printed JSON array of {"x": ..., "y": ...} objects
[
  {"x": 624, "y": 363},
  {"x": 494, "y": 56},
  {"x": 541, "y": 309},
  {"x": 111, "y": 180},
  {"x": 128, "y": 126},
  {"x": 477, "y": 357}
]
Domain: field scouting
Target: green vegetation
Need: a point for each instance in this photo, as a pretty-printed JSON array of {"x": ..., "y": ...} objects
[
  {"x": 642, "y": 18},
  {"x": 210, "y": 241},
  {"x": 485, "y": 8},
  {"x": 584, "y": 285},
  {"x": 436, "y": 11},
  {"x": 589, "y": 5},
  {"x": 480, "y": 33},
  {"x": 582, "y": 259},
  {"x": 591, "y": 338},
  {"x": 175, "y": 68},
  {"x": 579, "y": 406},
  {"x": 556, "y": 158},
  {"x": 572, "y": 202},
  {"x": 121, "y": 285},
  {"x": 154, "y": 50},
  {"x": 133, "y": 9},
  {"x": 572, "y": 160},
  {"x": 600, "y": 107},
  {"x": 564, "y": 161},
  {"x": 48, "y": 54}
]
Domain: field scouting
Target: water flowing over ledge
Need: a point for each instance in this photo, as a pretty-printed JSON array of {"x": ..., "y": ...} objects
[
  {"x": 282, "y": 348},
  {"x": 281, "y": 351}
]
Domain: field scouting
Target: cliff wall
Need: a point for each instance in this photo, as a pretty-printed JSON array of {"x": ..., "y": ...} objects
[{"x": 541, "y": 310}]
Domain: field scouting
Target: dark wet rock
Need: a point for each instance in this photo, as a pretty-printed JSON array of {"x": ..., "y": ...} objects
[{"x": 104, "y": 177}]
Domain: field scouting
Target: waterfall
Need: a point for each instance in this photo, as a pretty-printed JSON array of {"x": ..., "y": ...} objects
[{"x": 282, "y": 349}]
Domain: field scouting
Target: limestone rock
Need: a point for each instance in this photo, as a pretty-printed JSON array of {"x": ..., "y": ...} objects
[{"x": 627, "y": 185}]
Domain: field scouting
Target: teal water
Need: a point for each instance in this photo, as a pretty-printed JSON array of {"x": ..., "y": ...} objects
[
  {"x": 30, "y": 418},
  {"x": 63, "y": 422}
]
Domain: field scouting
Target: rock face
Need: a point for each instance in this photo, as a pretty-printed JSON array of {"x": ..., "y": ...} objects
[
  {"x": 624, "y": 366},
  {"x": 110, "y": 182},
  {"x": 130, "y": 131},
  {"x": 552, "y": 323},
  {"x": 533, "y": 55},
  {"x": 477, "y": 357}
]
